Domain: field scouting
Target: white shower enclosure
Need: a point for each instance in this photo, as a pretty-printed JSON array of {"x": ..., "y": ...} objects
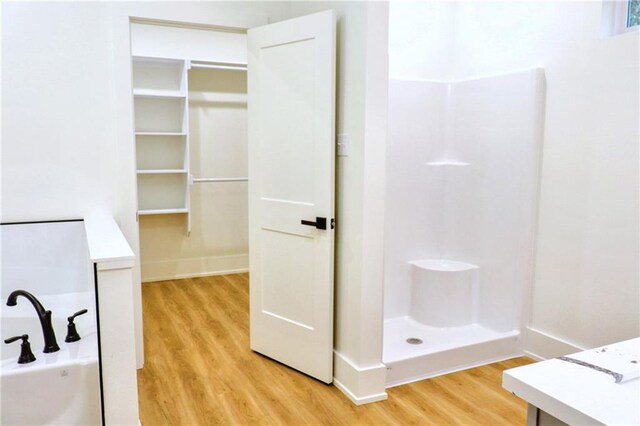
[{"x": 461, "y": 201}]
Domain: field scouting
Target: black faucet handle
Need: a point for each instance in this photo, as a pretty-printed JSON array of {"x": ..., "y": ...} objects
[
  {"x": 72, "y": 333},
  {"x": 26, "y": 356},
  {"x": 24, "y": 337},
  {"x": 77, "y": 314}
]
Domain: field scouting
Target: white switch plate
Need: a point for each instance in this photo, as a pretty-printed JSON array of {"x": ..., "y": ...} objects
[{"x": 343, "y": 145}]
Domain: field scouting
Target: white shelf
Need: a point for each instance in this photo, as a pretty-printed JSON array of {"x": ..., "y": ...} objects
[
  {"x": 163, "y": 94},
  {"x": 160, "y": 94},
  {"x": 156, "y": 60},
  {"x": 160, "y": 171},
  {"x": 162, "y": 211},
  {"x": 161, "y": 133},
  {"x": 161, "y": 152},
  {"x": 158, "y": 191},
  {"x": 160, "y": 114},
  {"x": 159, "y": 74}
]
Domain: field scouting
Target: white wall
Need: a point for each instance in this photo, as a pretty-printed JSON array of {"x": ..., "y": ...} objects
[
  {"x": 60, "y": 154},
  {"x": 58, "y": 157},
  {"x": 361, "y": 113},
  {"x": 67, "y": 145},
  {"x": 586, "y": 274},
  {"x": 422, "y": 39},
  {"x": 44, "y": 259}
]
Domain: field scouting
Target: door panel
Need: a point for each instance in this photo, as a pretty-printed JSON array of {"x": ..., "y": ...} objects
[
  {"x": 286, "y": 291},
  {"x": 291, "y": 87}
]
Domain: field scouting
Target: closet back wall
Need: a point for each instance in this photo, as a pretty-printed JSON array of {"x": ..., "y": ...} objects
[
  {"x": 218, "y": 136},
  {"x": 218, "y": 242}
]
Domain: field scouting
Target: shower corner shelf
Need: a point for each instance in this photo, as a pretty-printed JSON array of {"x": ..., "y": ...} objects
[{"x": 442, "y": 265}]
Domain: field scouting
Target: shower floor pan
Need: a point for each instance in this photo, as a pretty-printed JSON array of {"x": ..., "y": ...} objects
[{"x": 444, "y": 350}]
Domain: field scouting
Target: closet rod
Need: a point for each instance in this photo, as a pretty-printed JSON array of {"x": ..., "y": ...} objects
[{"x": 205, "y": 180}]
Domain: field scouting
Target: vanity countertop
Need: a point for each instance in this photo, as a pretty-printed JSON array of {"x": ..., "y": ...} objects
[{"x": 579, "y": 394}]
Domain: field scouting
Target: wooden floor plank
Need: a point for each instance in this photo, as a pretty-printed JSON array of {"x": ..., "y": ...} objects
[{"x": 199, "y": 370}]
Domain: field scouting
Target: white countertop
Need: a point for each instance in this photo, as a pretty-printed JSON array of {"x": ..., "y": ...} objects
[{"x": 577, "y": 394}]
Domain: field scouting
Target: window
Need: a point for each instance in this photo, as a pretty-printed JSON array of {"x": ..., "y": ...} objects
[
  {"x": 620, "y": 16},
  {"x": 633, "y": 13}
]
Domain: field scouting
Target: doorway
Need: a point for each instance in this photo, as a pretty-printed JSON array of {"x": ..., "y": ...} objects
[{"x": 191, "y": 126}]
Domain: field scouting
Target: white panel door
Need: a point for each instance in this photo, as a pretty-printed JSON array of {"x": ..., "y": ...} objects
[{"x": 291, "y": 87}]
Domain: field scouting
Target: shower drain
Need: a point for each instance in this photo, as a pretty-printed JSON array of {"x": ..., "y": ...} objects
[{"x": 414, "y": 341}]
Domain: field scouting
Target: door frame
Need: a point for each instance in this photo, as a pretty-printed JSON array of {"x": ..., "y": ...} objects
[
  {"x": 358, "y": 369},
  {"x": 125, "y": 191}
]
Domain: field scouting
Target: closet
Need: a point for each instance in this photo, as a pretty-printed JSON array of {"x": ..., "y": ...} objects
[
  {"x": 190, "y": 106},
  {"x": 192, "y": 133}
]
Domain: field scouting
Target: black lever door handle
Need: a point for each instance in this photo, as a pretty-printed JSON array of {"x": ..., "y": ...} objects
[{"x": 320, "y": 223}]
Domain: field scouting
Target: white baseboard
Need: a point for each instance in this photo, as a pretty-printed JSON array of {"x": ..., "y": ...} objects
[
  {"x": 194, "y": 267},
  {"x": 362, "y": 385},
  {"x": 540, "y": 345},
  {"x": 356, "y": 400}
]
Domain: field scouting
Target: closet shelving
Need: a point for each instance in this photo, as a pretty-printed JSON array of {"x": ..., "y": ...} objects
[
  {"x": 160, "y": 95},
  {"x": 161, "y": 105}
]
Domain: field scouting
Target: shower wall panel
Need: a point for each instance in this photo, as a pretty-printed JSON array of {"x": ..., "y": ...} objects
[
  {"x": 462, "y": 168},
  {"x": 416, "y": 133}
]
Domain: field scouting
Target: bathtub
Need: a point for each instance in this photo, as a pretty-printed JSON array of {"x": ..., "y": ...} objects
[{"x": 60, "y": 388}]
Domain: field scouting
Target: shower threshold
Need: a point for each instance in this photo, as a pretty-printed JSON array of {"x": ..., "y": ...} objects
[{"x": 442, "y": 351}]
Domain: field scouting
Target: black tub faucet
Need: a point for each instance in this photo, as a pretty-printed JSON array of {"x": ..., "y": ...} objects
[{"x": 50, "y": 344}]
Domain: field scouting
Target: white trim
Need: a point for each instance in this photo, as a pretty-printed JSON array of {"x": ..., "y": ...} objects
[
  {"x": 359, "y": 401},
  {"x": 366, "y": 297},
  {"x": 175, "y": 269},
  {"x": 238, "y": 24},
  {"x": 362, "y": 385},
  {"x": 108, "y": 266},
  {"x": 196, "y": 275},
  {"x": 540, "y": 345},
  {"x": 539, "y": 89},
  {"x": 106, "y": 242}
]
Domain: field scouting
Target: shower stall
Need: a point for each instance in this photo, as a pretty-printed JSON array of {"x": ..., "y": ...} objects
[{"x": 461, "y": 196}]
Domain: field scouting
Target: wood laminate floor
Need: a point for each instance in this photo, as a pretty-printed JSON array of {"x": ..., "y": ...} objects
[{"x": 199, "y": 370}]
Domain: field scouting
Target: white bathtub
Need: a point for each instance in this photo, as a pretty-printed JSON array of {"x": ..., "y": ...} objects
[{"x": 60, "y": 388}]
